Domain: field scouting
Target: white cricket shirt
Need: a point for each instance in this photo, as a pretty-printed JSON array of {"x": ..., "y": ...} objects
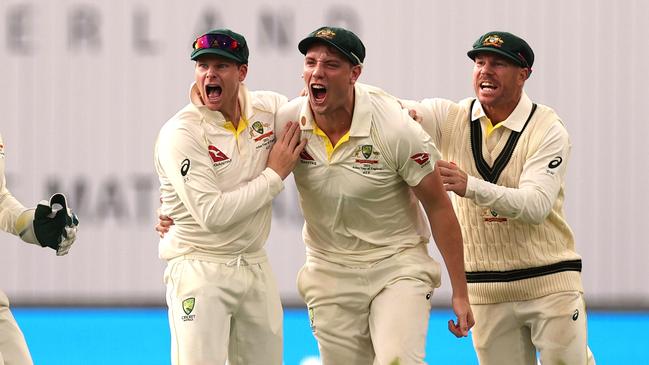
[
  {"x": 214, "y": 182},
  {"x": 357, "y": 204},
  {"x": 10, "y": 208}
]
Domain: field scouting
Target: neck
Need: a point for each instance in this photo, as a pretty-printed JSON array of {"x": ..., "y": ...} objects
[
  {"x": 499, "y": 112},
  {"x": 232, "y": 113},
  {"x": 336, "y": 123}
]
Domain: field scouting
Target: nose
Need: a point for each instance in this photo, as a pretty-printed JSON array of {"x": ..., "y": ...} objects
[
  {"x": 486, "y": 68},
  {"x": 317, "y": 70}
]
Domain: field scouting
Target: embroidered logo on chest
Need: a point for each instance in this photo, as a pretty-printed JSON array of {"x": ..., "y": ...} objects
[
  {"x": 262, "y": 134},
  {"x": 366, "y": 159},
  {"x": 218, "y": 157}
]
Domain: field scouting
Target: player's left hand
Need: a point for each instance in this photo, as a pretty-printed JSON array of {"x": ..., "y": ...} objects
[
  {"x": 464, "y": 315},
  {"x": 453, "y": 178},
  {"x": 164, "y": 223}
]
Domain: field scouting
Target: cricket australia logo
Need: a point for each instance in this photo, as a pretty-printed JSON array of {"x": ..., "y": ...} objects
[
  {"x": 366, "y": 159},
  {"x": 258, "y": 131},
  {"x": 188, "y": 307},
  {"x": 218, "y": 157}
]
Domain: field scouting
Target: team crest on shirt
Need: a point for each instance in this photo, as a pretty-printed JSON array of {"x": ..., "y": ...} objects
[
  {"x": 366, "y": 159},
  {"x": 218, "y": 157},
  {"x": 262, "y": 134},
  {"x": 188, "y": 308},
  {"x": 491, "y": 216}
]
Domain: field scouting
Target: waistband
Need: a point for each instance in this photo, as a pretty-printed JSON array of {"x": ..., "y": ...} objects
[{"x": 243, "y": 259}]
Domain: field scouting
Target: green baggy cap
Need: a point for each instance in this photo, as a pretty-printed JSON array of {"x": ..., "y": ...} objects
[
  {"x": 504, "y": 44},
  {"x": 221, "y": 42},
  {"x": 341, "y": 39}
]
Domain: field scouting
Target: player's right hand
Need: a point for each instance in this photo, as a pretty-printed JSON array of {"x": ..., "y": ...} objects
[
  {"x": 51, "y": 224},
  {"x": 286, "y": 151},
  {"x": 464, "y": 315},
  {"x": 164, "y": 223}
]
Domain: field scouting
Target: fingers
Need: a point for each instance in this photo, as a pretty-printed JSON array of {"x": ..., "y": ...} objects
[
  {"x": 289, "y": 130},
  {"x": 299, "y": 148},
  {"x": 454, "y": 329},
  {"x": 292, "y": 139},
  {"x": 464, "y": 327}
]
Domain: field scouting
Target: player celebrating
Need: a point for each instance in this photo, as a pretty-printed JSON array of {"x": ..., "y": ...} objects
[
  {"x": 368, "y": 278},
  {"x": 509, "y": 161},
  {"x": 220, "y": 165}
]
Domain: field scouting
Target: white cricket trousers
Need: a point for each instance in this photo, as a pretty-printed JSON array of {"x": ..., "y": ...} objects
[
  {"x": 223, "y": 307},
  {"x": 13, "y": 348},
  {"x": 376, "y": 314},
  {"x": 511, "y": 333}
]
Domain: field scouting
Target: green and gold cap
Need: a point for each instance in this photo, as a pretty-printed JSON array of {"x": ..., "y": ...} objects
[
  {"x": 341, "y": 39},
  {"x": 221, "y": 42},
  {"x": 504, "y": 44}
]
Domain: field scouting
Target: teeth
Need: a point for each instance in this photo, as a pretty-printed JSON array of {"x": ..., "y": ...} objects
[
  {"x": 487, "y": 84},
  {"x": 318, "y": 87}
]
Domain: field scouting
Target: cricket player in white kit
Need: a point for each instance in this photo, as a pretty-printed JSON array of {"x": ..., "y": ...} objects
[
  {"x": 220, "y": 164},
  {"x": 51, "y": 224},
  {"x": 368, "y": 277},
  {"x": 509, "y": 160}
]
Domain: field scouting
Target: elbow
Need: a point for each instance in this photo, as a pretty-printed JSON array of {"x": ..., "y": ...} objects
[
  {"x": 535, "y": 218},
  {"x": 537, "y": 210}
]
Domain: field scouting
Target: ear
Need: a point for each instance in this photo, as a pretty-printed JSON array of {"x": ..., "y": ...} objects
[
  {"x": 356, "y": 73},
  {"x": 243, "y": 71}
]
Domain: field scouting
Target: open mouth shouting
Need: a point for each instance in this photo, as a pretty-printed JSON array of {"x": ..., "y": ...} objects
[
  {"x": 213, "y": 93},
  {"x": 487, "y": 86},
  {"x": 318, "y": 93}
]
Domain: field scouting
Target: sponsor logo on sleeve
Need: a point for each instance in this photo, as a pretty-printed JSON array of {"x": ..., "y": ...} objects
[
  {"x": 553, "y": 165},
  {"x": 421, "y": 158},
  {"x": 184, "y": 169}
]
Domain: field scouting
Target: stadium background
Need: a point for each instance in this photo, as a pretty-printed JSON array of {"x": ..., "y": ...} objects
[{"x": 86, "y": 85}]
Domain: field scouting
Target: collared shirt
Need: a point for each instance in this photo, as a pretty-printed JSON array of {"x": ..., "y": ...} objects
[
  {"x": 214, "y": 182},
  {"x": 538, "y": 188},
  {"x": 10, "y": 208},
  {"x": 356, "y": 200}
]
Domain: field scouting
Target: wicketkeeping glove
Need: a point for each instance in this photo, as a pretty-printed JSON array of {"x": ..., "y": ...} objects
[{"x": 51, "y": 224}]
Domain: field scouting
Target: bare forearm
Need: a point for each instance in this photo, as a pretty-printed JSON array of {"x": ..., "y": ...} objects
[{"x": 448, "y": 238}]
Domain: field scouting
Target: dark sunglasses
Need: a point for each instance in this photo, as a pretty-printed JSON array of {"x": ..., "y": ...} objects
[{"x": 220, "y": 41}]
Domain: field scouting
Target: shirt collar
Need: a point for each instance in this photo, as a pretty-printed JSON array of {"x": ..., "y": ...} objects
[
  {"x": 361, "y": 118},
  {"x": 516, "y": 119}
]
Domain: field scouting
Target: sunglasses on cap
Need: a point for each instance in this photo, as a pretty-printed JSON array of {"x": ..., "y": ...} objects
[{"x": 219, "y": 41}]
